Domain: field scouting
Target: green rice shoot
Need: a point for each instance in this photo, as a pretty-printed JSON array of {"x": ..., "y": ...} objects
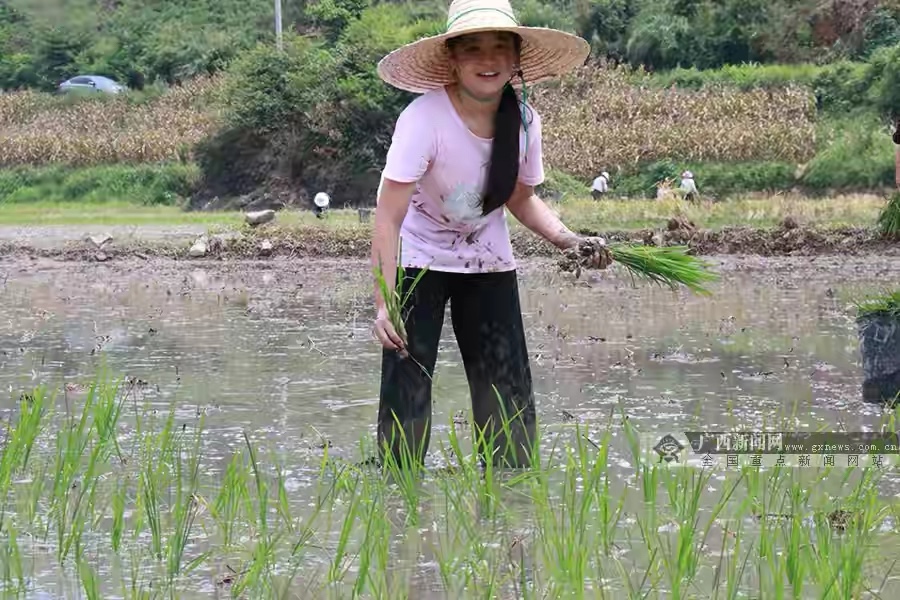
[
  {"x": 889, "y": 218},
  {"x": 516, "y": 535},
  {"x": 669, "y": 266},
  {"x": 396, "y": 299},
  {"x": 886, "y": 304}
]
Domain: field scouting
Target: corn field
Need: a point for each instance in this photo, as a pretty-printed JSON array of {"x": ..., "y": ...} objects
[
  {"x": 607, "y": 118},
  {"x": 596, "y": 119},
  {"x": 40, "y": 129}
]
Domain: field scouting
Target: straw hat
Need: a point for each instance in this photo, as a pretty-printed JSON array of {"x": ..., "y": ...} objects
[
  {"x": 424, "y": 65},
  {"x": 321, "y": 200}
]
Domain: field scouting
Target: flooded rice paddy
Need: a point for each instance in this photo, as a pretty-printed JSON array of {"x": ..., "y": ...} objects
[{"x": 282, "y": 352}]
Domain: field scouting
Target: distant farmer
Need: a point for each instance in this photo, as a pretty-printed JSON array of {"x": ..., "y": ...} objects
[
  {"x": 463, "y": 153},
  {"x": 321, "y": 201},
  {"x": 600, "y": 186},
  {"x": 688, "y": 187}
]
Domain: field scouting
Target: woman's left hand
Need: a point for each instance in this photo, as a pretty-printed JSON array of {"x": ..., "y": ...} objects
[{"x": 601, "y": 258}]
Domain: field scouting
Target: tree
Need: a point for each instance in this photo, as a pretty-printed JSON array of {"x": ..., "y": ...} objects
[{"x": 335, "y": 15}]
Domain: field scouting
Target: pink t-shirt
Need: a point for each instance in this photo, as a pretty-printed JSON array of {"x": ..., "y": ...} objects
[{"x": 444, "y": 229}]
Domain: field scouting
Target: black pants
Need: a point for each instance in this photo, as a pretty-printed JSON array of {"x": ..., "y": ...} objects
[{"x": 487, "y": 321}]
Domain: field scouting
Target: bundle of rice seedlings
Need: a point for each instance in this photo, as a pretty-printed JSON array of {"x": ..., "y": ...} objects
[
  {"x": 395, "y": 300},
  {"x": 889, "y": 218},
  {"x": 670, "y": 266}
]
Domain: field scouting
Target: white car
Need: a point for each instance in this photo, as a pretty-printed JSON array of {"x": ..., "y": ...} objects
[{"x": 87, "y": 83}]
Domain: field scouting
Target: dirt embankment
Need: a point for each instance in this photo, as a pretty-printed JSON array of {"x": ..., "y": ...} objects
[{"x": 354, "y": 242}]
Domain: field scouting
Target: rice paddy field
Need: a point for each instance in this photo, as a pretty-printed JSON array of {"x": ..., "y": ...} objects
[{"x": 178, "y": 429}]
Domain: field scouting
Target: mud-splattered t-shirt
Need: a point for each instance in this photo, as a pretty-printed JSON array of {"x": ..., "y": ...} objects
[{"x": 444, "y": 229}]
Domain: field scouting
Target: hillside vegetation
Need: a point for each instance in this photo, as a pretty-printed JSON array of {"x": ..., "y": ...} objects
[
  {"x": 701, "y": 85},
  {"x": 142, "y": 41}
]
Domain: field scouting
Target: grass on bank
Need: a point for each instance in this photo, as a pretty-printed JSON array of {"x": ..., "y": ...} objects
[
  {"x": 579, "y": 214},
  {"x": 163, "y": 184},
  {"x": 101, "y": 478}
]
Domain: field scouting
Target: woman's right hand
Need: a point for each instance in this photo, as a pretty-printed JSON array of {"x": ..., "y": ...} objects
[{"x": 386, "y": 333}]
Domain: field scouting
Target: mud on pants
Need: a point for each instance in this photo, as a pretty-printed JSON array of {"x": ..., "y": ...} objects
[{"x": 487, "y": 321}]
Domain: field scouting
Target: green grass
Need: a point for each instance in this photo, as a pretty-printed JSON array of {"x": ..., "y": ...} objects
[
  {"x": 761, "y": 212},
  {"x": 144, "y": 184},
  {"x": 113, "y": 212},
  {"x": 577, "y": 213},
  {"x": 132, "y": 486}
]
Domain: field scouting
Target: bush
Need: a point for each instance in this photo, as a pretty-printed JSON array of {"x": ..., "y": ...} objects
[
  {"x": 838, "y": 87},
  {"x": 885, "y": 81},
  {"x": 855, "y": 153},
  {"x": 558, "y": 185},
  {"x": 313, "y": 119},
  {"x": 164, "y": 184},
  {"x": 715, "y": 180},
  {"x": 265, "y": 89},
  {"x": 842, "y": 87},
  {"x": 745, "y": 77}
]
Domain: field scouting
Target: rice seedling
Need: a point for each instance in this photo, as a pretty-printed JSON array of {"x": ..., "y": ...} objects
[
  {"x": 670, "y": 266},
  {"x": 403, "y": 465},
  {"x": 226, "y": 509},
  {"x": 118, "y": 509},
  {"x": 884, "y": 304},
  {"x": 572, "y": 525},
  {"x": 183, "y": 514},
  {"x": 11, "y": 559},
  {"x": 341, "y": 561},
  {"x": 89, "y": 580},
  {"x": 396, "y": 296},
  {"x": 373, "y": 555}
]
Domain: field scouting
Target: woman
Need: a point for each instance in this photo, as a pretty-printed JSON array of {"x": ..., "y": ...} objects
[{"x": 461, "y": 152}]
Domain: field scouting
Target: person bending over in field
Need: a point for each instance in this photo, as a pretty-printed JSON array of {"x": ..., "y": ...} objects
[
  {"x": 463, "y": 153},
  {"x": 600, "y": 186},
  {"x": 689, "y": 188}
]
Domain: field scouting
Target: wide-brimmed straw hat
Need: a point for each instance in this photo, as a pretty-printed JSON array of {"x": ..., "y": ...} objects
[{"x": 424, "y": 65}]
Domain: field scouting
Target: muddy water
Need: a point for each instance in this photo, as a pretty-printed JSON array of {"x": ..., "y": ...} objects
[
  {"x": 250, "y": 343},
  {"x": 283, "y": 349}
]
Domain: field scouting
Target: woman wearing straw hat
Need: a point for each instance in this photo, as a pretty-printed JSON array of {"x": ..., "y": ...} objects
[{"x": 462, "y": 151}]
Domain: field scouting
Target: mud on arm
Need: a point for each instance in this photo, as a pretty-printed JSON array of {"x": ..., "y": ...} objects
[
  {"x": 533, "y": 213},
  {"x": 392, "y": 205}
]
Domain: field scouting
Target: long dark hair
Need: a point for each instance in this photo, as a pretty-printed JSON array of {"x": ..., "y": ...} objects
[{"x": 503, "y": 171}]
